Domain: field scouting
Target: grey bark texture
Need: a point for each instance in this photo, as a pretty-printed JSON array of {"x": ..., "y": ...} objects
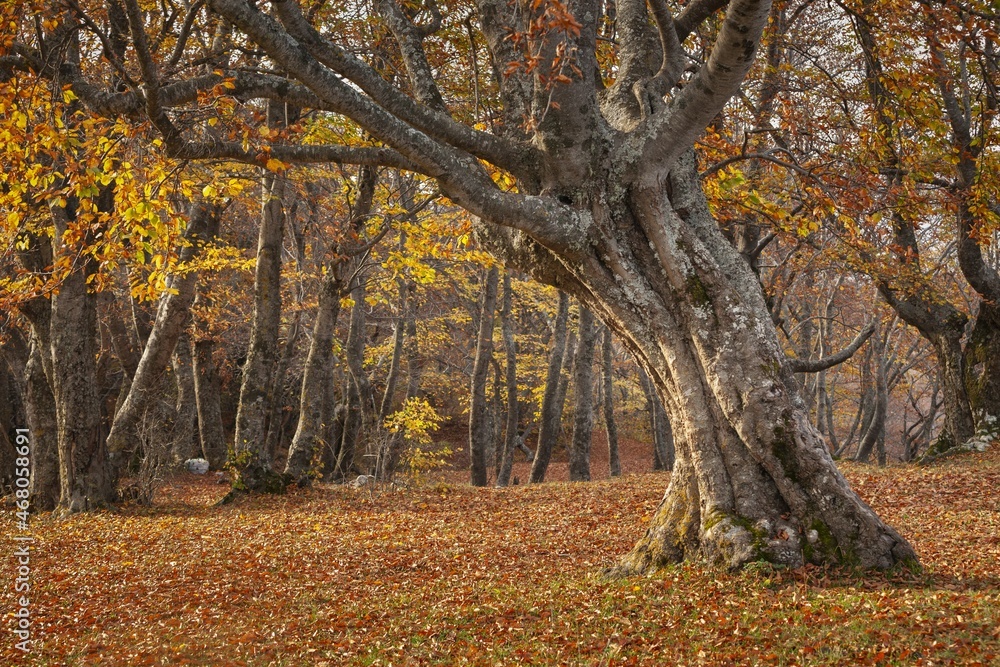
[
  {"x": 480, "y": 433},
  {"x": 185, "y": 445},
  {"x": 508, "y": 326},
  {"x": 550, "y": 416},
  {"x": 316, "y": 378},
  {"x": 87, "y": 479},
  {"x": 41, "y": 412},
  {"x": 610, "y": 426},
  {"x": 253, "y": 460},
  {"x": 208, "y": 390},
  {"x": 583, "y": 413}
]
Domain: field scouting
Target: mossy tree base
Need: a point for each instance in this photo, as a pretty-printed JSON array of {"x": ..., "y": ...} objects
[{"x": 804, "y": 513}]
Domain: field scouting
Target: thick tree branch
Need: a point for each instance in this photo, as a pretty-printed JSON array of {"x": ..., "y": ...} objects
[
  {"x": 519, "y": 159},
  {"x": 655, "y": 144},
  {"x": 460, "y": 177},
  {"x": 410, "y": 39},
  {"x": 817, "y": 365}
]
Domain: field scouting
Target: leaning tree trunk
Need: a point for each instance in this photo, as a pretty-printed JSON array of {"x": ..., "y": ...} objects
[
  {"x": 479, "y": 429},
  {"x": 316, "y": 378},
  {"x": 607, "y": 378},
  {"x": 752, "y": 478},
  {"x": 583, "y": 416},
  {"x": 550, "y": 417},
  {"x": 172, "y": 315}
]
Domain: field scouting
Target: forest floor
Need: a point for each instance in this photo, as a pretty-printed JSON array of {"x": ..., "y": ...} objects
[{"x": 447, "y": 574}]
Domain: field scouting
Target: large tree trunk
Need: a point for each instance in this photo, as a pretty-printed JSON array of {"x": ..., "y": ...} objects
[
  {"x": 87, "y": 480},
  {"x": 607, "y": 378},
  {"x": 317, "y": 376},
  {"x": 480, "y": 433},
  {"x": 609, "y": 208},
  {"x": 982, "y": 363},
  {"x": 551, "y": 416},
  {"x": 510, "y": 352},
  {"x": 253, "y": 460},
  {"x": 753, "y": 478},
  {"x": 583, "y": 416}
]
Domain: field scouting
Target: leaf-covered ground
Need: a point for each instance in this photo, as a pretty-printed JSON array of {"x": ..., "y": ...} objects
[{"x": 455, "y": 575}]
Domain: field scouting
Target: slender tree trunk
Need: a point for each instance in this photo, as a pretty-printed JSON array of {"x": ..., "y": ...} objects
[
  {"x": 186, "y": 421},
  {"x": 208, "y": 391},
  {"x": 316, "y": 378},
  {"x": 607, "y": 378},
  {"x": 411, "y": 353},
  {"x": 583, "y": 416},
  {"x": 875, "y": 432},
  {"x": 479, "y": 431},
  {"x": 551, "y": 417},
  {"x": 510, "y": 352},
  {"x": 398, "y": 338},
  {"x": 41, "y": 411},
  {"x": 358, "y": 388},
  {"x": 253, "y": 460}
]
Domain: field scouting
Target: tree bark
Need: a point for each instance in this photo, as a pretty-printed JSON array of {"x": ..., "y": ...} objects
[
  {"x": 171, "y": 319},
  {"x": 208, "y": 391},
  {"x": 607, "y": 377},
  {"x": 87, "y": 479},
  {"x": 253, "y": 460},
  {"x": 358, "y": 392},
  {"x": 316, "y": 377},
  {"x": 507, "y": 325},
  {"x": 186, "y": 407},
  {"x": 982, "y": 363},
  {"x": 479, "y": 432},
  {"x": 551, "y": 412},
  {"x": 583, "y": 416},
  {"x": 41, "y": 411}
]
